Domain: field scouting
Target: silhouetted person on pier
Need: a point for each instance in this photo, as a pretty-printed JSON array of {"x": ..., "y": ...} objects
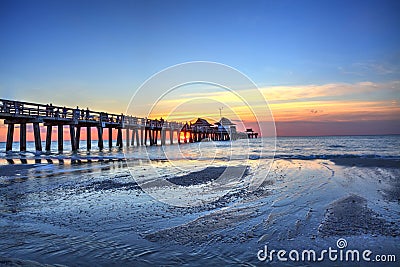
[
  {"x": 82, "y": 114},
  {"x": 76, "y": 113},
  {"x": 51, "y": 109},
  {"x": 19, "y": 108},
  {"x": 64, "y": 112},
  {"x": 16, "y": 107},
  {"x": 47, "y": 110},
  {"x": 87, "y": 113},
  {"x": 162, "y": 121},
  {"x": 57, "y": 113}
]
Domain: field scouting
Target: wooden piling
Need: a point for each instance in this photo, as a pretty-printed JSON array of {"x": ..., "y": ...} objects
[
  {"x": 48, "y": 137},
  {"x": 133, "y": 137},
  {"x": 155, "y": 136},
  {"x": 36, "y": 134},
  {"x": 152, "y": 137},
  {"x": 22, "y": 137},
  {"x": 60, "y": 137},
  {"x": 73, "y": 137},
  {"x": 127, "y": 137},
  {"x": 163, "y": 135},
  {"x": 119, "y": 138},
  {"x": 100, "y": 137},
  {"x": 190, "y": 137},
  {"x": 10, "y": 136},
  {"x": 88, "y": 137},
  {"x": 141, "y": 136},
  {"x": 110, "y": 137},
  {"x": 77, "y": 137}
]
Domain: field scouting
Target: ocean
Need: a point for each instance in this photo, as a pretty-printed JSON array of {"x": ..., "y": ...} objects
[{"x": 223, "y": 202}]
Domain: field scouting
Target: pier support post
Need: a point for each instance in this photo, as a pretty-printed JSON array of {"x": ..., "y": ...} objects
[
  {"x": 127, "y": 137},
  {"x": 171, "y": 137},
  {"x": 137, "y": 137},
  {"x": 141, "y": 136},
  {"x": 100, "y": 137},
  {"x": 163, "y": 135},
  {"x": 36, "y": 133},
  {"x": 77, "y": 137},
  {"x": 133, "y": 137},
  {"x": 60, "y": 137},
  {"x": 48, "y": 137},
  {"x": 10, "y": 136},
  {"x": 155, "y": 134},
  {"x": 119, "y": 138},
  {"x": 110, "y": 137},
  {"x": 88, "y": 137},
  {"x": 72, "y": 137},
  {"x": 145, "y": 137},
  {"x": 151, "y": 137},
  {"x": 22, "y": 137}
]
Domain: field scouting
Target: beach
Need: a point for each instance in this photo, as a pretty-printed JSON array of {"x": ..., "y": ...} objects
[{"x": 97, "y": 214}]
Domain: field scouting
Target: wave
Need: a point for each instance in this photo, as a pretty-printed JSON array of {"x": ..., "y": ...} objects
[
  {"x": 336, "y": 156},
  {"x": 144, "y": 157},
  {"x": 336, "y": 146}
]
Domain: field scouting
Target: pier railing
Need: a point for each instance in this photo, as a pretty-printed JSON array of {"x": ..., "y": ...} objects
[
  {"x": 21, "y": 112},
  {"x": 137, "y": 129},
  {"x": 49, "y": 112}
]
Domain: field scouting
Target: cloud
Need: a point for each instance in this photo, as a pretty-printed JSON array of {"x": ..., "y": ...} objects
[
  {"x": 368, "y": 67},
  {"x": 331, "y": 91}
]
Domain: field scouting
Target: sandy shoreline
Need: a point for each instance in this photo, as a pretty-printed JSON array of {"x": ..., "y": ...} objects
[{"x": 101, "y": 215}]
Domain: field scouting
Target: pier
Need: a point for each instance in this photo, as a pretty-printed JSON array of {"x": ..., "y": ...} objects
[
  {"x": 251, "y": 134},
  {"x": 139, "y": 131}
]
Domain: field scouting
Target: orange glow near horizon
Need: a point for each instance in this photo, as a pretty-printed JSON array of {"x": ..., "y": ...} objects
[{"x": 325, "y": 103}]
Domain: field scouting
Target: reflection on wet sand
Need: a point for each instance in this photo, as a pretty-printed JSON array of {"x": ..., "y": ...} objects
[{"x": 95, "y": 213}]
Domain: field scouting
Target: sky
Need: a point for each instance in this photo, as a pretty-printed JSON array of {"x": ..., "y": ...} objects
[{"x": 325, "y": 67}]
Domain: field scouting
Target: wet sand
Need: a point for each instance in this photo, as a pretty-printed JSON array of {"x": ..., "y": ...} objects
[
  {"x": 351, "y": 216},
  {"x": 100, "y": 216},
  {"x": 10, "y": 262},
  {"x": 15, "y": 169},
  {"x": 209, "y": 174}
]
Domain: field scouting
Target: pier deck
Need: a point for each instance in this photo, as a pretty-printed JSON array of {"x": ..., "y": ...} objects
[
  {"x": 40, "y": 115},
  {"x": 142, "y": 131}
]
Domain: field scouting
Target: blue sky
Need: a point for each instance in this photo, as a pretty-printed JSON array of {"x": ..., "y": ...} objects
[{"x": 104, "y": 50}]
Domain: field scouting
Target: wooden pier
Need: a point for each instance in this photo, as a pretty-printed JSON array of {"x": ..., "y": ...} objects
[{"x": 139, "y": 131}]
